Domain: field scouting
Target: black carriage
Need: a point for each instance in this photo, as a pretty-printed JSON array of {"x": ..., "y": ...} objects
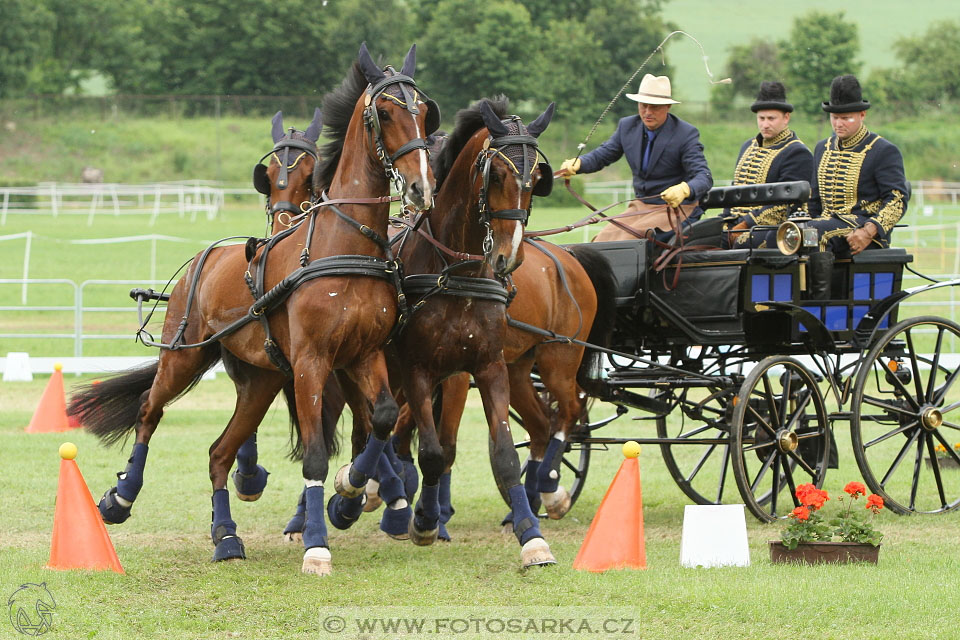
[{"x": 731, "y": 341}]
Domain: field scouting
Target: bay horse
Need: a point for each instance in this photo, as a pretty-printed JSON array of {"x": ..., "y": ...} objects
[
  {"x": 487, "y": 174},
  {"x": 328, "y": 302}
]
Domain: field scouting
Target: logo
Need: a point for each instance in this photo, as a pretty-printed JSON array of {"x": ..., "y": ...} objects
[{"x": 31, "y": 609}]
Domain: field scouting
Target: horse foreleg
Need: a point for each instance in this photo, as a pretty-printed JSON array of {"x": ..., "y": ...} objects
[
  {"x": 524, "y": 398},
  {"x": 453, "y": 401},
  {"x": 424, "y": 527},
  {"x": 494, "y": 391}
]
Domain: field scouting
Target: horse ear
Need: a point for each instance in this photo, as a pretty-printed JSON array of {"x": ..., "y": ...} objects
[
  {"x": 313, "y": 131},
  {"x": 277, "y": 131},
  {"x": 371, "y": 71},
  {"x": 538, "y": 126},
  {"x": 491, "y": 120},
  {"x": 410, "y": 62}
]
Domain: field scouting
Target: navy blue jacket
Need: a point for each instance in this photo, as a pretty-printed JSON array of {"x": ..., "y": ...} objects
[{"x": 677, "y": 156}]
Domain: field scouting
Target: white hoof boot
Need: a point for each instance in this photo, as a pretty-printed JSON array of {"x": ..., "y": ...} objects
[
  {"x": 294, "y": 536},
  {"x": 556, "y": 504},
  {"x": 341, "y": 483},
  {"x": 536, "y": 553},
  {"x": 373, "y": 498},
  {"x": 317, "y": 561}
]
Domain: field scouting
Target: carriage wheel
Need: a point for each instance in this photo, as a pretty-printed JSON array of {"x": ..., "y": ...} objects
[
  {"x": 904, "y": 423},
  {"x": 780, "y": 436},
  {"x": 698, "y": 466}
]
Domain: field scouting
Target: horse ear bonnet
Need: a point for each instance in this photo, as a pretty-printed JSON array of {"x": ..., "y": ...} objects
[
  {"x": 545, "y": 184},
  {"x": 433, "y": 116},
  {"x": 260, "y": 180}
]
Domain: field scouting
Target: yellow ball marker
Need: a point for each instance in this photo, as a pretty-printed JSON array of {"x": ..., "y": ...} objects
[
  {"x": 68, "y": 451},
  {"x": 631, "y": 449}
]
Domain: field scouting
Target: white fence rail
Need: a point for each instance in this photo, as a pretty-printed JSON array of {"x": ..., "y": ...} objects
[{"x": 163, "y": 198}]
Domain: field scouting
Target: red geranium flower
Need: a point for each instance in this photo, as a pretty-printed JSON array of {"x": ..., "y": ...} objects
[
  {"x": 874, "y": 502},
  {"x": 855, "y": 489},
  {"x": 800, "y": 513},
  {"x": 810, "y": 496}
]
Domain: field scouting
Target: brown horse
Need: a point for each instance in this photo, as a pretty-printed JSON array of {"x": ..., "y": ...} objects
[
  {"x": 331, "y": 304},
  {"x": 487, "y": 174}
]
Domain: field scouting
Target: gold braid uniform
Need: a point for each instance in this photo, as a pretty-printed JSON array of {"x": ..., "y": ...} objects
[
  {"x": 783, "y": 159},
  {"x": 857, "y": 182}
]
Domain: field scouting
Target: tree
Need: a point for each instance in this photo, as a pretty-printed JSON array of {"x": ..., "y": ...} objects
[
  {"x": 930, "y": 70},
  {"x": 25, "y": 41},
  {"x": 821, "y": 46},
  {"x": 747, "y": 66}
]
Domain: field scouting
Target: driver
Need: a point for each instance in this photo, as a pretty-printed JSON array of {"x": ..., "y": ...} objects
[{"x": 666, "y": 158}]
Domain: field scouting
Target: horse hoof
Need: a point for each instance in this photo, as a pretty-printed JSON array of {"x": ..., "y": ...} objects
[
  {"x": 293, "y": 536},
  {"x": 556, "y": 504},
  {"x": 229, "y": 548},
  {"x": 341, "y": 483},
  {"x": 294, "y": 529},
  {"x": 373, "y": 498},
  {"x": 249, "y": 487},
  {"x": 421, "y": 538},
  {"x": 396, "y": 522},
  {"x": 111, "y": 511},
  {"x": 536, "y": 553},
  {"x": 317, "y": 561},
  {"x": 506, "y": 528},
  {"x": 343, "y": 512}
]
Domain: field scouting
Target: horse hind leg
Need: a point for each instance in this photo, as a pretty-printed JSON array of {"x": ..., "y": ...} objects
[{"x": 453, "y": 399}]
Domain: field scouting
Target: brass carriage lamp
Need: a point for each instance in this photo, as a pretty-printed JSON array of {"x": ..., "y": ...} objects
[{"x": 794, "y": 234}]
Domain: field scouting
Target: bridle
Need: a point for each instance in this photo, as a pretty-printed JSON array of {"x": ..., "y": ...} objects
[
  {"x": 281, "y": 152},
  {"x": 495, "y": 146},
  {"x": 409, "y": 99}
]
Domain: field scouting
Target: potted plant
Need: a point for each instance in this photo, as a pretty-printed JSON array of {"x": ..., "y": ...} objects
[
  {"x": 847, "y": 537},
  {"x": 945, "y": 459}
]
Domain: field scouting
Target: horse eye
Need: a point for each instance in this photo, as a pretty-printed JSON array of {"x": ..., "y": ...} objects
[{"x": 382, "y": 114}]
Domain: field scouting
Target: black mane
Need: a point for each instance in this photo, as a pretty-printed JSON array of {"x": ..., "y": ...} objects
[
  {"x": 338, "y": 108},
  {"x": 468, "y": 122}
]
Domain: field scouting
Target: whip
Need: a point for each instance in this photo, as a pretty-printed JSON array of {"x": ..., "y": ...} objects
[{"x": 582, "y": 145}]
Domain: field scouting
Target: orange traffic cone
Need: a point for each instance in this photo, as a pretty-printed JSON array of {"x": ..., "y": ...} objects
[
  {"x": 80, "y": 539},
  {"x": 51, "y": 413},
  {"x": 615, "y": 537}
]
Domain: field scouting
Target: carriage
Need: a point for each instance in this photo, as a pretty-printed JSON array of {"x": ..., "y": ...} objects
[{"x": 731, "y": 343}]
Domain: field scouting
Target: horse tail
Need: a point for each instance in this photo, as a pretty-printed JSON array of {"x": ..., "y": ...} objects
[
  {"x": 109, "y": 409},
  {"x": 332, "y": 408},
  {"x": 605, "y": 284}
]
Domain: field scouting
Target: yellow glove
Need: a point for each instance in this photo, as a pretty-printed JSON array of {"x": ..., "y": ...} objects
[
  {"x": 676, "y": 194},
  {"x": 570, "y": 167}
]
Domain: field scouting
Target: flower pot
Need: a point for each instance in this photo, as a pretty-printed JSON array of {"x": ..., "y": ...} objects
[
  {"x": 824, "y": 552},
  {"x": 944, "y": 463}
]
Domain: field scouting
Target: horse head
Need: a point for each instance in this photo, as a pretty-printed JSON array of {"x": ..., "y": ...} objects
[
  {"x": 509, "y": 175},
  {"x": 292, "y": 175},
  {"x": 398, "y": 117}
]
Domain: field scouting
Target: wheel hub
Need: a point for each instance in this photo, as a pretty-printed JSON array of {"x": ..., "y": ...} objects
[
  {"x": 787, "y": 440},
  {"x": 931, "y": 419}
]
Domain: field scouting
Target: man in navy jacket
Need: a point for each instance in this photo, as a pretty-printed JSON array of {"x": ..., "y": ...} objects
[{"x": 665, "y": 156}]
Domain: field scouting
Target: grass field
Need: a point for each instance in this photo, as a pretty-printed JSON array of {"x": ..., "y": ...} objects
[{"x": 171, "y": 590}]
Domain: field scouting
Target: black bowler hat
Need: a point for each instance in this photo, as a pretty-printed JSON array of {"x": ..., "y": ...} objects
[
  {"x": 772, "y": 95},
  {"x": 845, "y": 96}
]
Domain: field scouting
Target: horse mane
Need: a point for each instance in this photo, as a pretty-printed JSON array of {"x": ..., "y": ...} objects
[
  {"x": 468, "y": 122},
  {"x": 338, "y": 106}
]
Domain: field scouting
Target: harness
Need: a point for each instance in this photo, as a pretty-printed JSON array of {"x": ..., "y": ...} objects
[
  {"x": 282, "y": 152},
  {"x": 339, "y": 265}
]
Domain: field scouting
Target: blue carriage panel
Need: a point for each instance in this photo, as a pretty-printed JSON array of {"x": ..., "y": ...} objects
[
  {"x": 859, "y": 310},
  {"x": 835, "y": 317},
  {"x": 861, "y": 286},
  {"x": 882, "y": 284},
  {"x": 782, "y": 287},
  {"x": 816, "y": 312}
]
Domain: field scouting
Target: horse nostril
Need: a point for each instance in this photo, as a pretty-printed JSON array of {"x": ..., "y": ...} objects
[
  {"x": 417, "y": 189},
  {"x": 500, "y": 264}
]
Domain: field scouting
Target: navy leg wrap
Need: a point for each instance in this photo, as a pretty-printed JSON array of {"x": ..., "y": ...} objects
[
  {"x": 223, "y": 529},
  {"x": 446, "y": 508},
  {"x": 393, "y": 522},
  {"x": 315, "y": 527},
  {"x": 391, "y": 452},
  {"x": 130, "y": 481},
  {"x": 526, "y": 526},
  {"x": 365, "y": 465},
  {"x": 551, "y": 464},
  {"x": 530, "y": 485},
  {"x": 250, "y": 479},
  {"x": 343, "y": 512},
  {"x": 411, "y": 478},
  {"x": 427, "y": 514},
  {"x": 296, "y": 522}
]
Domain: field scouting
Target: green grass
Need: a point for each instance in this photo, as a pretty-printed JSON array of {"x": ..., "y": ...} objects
[{"x": 171, "y": 590}]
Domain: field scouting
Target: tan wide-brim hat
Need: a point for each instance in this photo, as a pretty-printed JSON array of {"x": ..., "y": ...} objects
[{"x": 653, "y": 90}]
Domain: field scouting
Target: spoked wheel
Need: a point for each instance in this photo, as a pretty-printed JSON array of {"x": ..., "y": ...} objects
[
  {"x": 779, "y": 436},
  {"x": 700, "y": 460},
  {"x": 904, "y": 423}
]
